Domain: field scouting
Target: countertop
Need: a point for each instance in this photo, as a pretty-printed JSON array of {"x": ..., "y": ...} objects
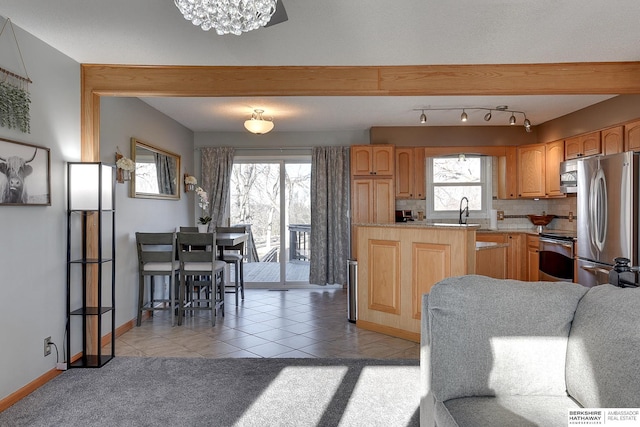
[
  {"x": 423, "y": 224},
  {"x": 490, "y": 245}
]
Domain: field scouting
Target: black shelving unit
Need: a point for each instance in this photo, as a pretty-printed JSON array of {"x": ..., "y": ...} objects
[{"x": 92, "y": 313}]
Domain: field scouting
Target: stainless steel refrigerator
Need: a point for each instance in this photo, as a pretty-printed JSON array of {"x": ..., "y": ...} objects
[{"x": 607, "y": 215}]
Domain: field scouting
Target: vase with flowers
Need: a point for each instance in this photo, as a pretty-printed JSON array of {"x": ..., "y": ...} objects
[
  {"x": 204, "y": 220},
  {"x": 124, "y": 167}
]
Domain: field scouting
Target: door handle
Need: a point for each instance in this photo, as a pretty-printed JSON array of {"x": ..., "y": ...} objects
[{"x": 594, "y": 269}]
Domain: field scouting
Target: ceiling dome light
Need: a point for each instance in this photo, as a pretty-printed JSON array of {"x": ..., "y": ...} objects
[
  {"x": 226, "y": 17},
  {"x": 423, "y": 117},
  {"x": 257, "y": 124},
  {"x": 463, "y": 116},
  {"x": 487, "y": 116},
  {"x": 512, "y": 119}
]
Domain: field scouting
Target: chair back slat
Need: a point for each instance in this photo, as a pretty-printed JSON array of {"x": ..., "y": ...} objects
[
  {"x": 196, "y": 247},
  {"x": 155, "y": 247}
]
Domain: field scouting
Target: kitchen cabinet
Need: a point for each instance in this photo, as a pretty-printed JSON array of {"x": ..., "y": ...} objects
[
  {"x": 582, "y": 146},
  {"x": 513, "y": 253},
  {"x": 367, "y": 160},
  {"x": 410, "y": 173},
  {"x": 533, "y": 257},
  {"x": 531, "y": 170},
  {"x": 491, "y": 261},
  {"x": 508, "y": 174},
  {"x": 398, "y": 263},
  {"x": 613, "y": 140},
  {"x": 554, "y": 154},
  {"x": 632, "y": 136},
  {"x": 372, "y": 201}
]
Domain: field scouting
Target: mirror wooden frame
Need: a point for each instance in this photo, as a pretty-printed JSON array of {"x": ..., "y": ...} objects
[{"x": 135, "y": 145}]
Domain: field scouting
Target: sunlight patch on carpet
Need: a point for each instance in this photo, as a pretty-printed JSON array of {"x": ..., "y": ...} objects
[{"x": 297, "y": 388}]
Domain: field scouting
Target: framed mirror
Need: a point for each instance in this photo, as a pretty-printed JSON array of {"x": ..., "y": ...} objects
[{"x": 157, "y": 172}]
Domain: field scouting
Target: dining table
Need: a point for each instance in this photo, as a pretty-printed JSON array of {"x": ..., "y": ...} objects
[{"x": 229, "y": 239}]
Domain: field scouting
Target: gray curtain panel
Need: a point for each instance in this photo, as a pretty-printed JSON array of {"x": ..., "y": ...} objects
[
  {"x": 329, "y": 215},
  {"x": 167, "y": 173},
  {"x": 217, "y": 163}
]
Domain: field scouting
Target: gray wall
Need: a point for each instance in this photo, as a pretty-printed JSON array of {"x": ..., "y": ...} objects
[
  {"x": 120, "y": 120},
  {"x": 33, "y": 252},
  {"x": 33, "y": 261}
]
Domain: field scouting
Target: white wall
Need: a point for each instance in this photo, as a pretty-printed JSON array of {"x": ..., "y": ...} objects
[
  {"x": 33, "y": 255},
  {"x": 120, "y": 120}
]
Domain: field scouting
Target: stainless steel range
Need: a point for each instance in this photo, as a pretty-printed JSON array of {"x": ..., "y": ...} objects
[{"x": 556, "y": 256}]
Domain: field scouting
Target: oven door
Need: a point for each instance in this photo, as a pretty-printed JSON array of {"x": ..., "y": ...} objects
[{"x": 555, "y": 260}]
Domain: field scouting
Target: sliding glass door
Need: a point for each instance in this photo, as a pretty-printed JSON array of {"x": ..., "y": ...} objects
[{"x": 272, "y": 197}]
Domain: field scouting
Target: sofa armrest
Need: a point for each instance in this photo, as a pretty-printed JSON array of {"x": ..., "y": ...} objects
[{"x": 427, "y": 400}]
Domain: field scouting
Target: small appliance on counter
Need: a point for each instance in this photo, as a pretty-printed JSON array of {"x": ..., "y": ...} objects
[{"x": 404, "y": 215}]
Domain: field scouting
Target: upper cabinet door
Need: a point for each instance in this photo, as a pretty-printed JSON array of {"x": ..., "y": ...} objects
[
  {"x": 420, "y": 176},
  {"x": 383, "y": 160},
  {"x": 613, "y": 140},
  {"x": 531, "y": 170},
  {"x": 404, "y": 173},
  {"x": 632, "y": 136},
  {"x": 361, "y": 160},
  {"x": 554, "y": 155}
]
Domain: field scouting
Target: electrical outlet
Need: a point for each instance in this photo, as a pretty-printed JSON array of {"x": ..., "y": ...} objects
[
  {"x": 570, "y": 216},
  {"x": 47, "y": 346},
  {"x": 500, "y": 215}
]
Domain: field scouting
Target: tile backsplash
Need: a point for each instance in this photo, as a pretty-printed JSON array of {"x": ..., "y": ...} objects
[{"x": 516, "y": 211}]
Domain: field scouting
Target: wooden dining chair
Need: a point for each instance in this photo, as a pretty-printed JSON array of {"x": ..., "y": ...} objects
[
  {"x": 235, "y": 255},
  {"x": 200, "y": 271},
  {"x": 156, "y": 257}
]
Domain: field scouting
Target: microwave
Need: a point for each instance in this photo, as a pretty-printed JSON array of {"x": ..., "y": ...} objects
[{"x": 569, "y": 176}]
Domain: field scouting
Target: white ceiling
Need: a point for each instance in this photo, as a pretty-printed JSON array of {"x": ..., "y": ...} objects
[{"x": 338, "y": 32}]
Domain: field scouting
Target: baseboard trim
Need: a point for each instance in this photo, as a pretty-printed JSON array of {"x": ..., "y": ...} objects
[
  {"x": 388, "y": 330},
  {"x": 21, "y": 393},
  {"x": 26, "y": 390}
]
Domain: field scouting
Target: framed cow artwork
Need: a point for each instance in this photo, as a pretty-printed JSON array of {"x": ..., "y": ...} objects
[{"x": 24, "y": 174}]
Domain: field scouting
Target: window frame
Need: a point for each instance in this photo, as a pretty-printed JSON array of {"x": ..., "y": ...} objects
[{"x": 485, "y": 183}]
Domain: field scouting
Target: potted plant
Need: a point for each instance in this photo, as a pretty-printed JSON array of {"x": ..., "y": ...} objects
[{"x": 204, "y": 220}]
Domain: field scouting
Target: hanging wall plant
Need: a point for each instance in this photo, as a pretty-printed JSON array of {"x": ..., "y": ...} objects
[
  {"x": 14, "y": 107},
  {"x": 14, "y": 93}
]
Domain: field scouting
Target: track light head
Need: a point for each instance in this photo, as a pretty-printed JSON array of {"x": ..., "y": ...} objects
[
  {"x": 423, "y": 117},
  {"x": 527, "y": 125},
  {"x": 463, "y": 116},
  {"x": 487, "y": 116},
  {"x": 512, "y": 119}
]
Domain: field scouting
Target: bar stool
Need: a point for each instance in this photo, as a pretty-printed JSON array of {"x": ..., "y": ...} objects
[
  {"x": 235, "y": 255},
  {"x": 200, "y": 270},
  {"x": 156, "y": 257}
]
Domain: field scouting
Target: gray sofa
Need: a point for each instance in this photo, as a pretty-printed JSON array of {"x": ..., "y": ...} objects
[{"x": 510, "y": 353}]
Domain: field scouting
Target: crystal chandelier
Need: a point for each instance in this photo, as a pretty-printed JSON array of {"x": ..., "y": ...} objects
[{"x": 227, "y": 16}]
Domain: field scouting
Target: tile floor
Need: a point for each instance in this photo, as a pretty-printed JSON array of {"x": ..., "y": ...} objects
[{"x": 306, "y": 323}]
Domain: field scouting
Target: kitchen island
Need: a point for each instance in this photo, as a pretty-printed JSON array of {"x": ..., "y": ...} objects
[{"x": 397, "y": 263}]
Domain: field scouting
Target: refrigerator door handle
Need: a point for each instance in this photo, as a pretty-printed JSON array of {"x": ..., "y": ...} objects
[{"x": 598, "y": 210}]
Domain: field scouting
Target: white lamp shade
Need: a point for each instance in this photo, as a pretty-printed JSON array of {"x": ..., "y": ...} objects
[
  {"x": 84, "y": 186},
  {"x": 258, "y": 126}
]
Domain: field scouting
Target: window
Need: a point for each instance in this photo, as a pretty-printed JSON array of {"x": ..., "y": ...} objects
[{"x": 449, "y": 179}]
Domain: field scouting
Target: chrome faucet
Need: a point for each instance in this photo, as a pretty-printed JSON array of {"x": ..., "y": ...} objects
[{"x": 464, "y": 211}]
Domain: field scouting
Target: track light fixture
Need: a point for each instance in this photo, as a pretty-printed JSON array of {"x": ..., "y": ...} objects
[{"x": 487, "y": 117}]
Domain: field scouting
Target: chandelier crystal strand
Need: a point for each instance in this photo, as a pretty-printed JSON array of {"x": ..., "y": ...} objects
[{"x": 227, "y": 16}]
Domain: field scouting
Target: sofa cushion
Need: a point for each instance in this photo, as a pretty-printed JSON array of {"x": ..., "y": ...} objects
[
  {"x": 499, "y": 337},
  {"x": 507, "y": 411},
  {"x": 603, "y": 354}
]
